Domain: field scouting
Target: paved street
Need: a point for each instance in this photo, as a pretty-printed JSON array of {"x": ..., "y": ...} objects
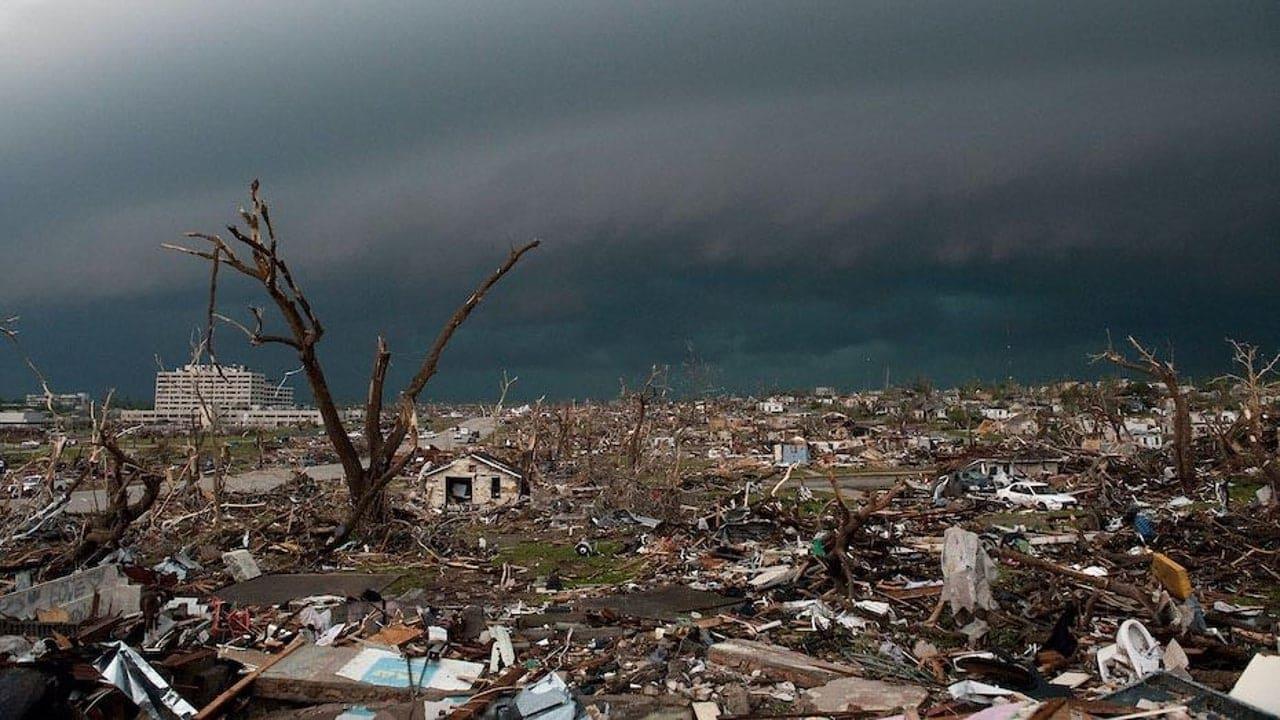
[{"x": 88, "y": 501}]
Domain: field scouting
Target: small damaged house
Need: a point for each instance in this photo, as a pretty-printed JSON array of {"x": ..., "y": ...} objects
[
  {"x": 792, "y": 452},
  {"x": 474, "y": 480}
]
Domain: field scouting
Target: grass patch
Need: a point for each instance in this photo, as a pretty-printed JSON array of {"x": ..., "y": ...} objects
[
  {"x": 807, "y": 508},
  {"x": 1005, "y": 635},
  {"x": 410, "y": 579},
  {"x": 1243, "y": 490},
  {"x": 1268, "y": 597},
  {"x": 1271, "y": 602},
  {"x": 605, "y": 567}
]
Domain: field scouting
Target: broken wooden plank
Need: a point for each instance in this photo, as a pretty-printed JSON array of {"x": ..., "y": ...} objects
[
  {"x": 214, "y": 708},
  {"x": 777, "y": 663}
]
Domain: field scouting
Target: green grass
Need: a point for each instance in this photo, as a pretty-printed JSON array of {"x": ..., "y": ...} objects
[
  {"x": 16, "y": 457},
  {"x": 243, "y": 448},
  {"x": 1005, "y": 635},
  {"x": 807, "y": 508},
  {"x": 605, "y": 567},
  {"x": 1271, "y": 602},
  {"x": 1243, "y": 490},
  {"x": 412, "y": 579},
  {"x": 1267, "y": 597}
]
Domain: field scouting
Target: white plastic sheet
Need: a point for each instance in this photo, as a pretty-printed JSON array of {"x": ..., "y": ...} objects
[{"x": 967, "y": 571}]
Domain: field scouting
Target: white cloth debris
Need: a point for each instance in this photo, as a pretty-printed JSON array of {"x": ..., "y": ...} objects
[
  {"x": 503, "y": 653},
  {"x": 967, "y": 571},
  {"x": 977, "y": 692}
]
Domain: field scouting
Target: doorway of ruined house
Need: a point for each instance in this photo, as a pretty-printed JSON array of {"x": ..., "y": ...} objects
[{"x": 457, "y": 491}]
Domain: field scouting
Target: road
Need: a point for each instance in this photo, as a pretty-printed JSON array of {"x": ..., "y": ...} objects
[
  {"x": 255, "y": 481},
  {"x": 84, "y": 502},
  {"x": 484, "y": 426}
]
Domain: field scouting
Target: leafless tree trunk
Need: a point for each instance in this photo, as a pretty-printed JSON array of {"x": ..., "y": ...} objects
[
  {"x": 836, "y": 546},
  {"x": 589, "y": 443},
  {"x": 504, "y": 387},
  {"x": 264, "y": 264},
  {"x": 1106, "y": 413},
  {"x": 564, "y": 432},
  {"x": 1163, "y": 372},
  {"x": 1247, "y": 437},
  {"x": 654, "y": 386},
  {"x": 103, "y": 530},
  {"x": 528, "y": 445}
]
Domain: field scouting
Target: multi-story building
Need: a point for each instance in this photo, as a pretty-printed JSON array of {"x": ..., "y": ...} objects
[
  {"x": 224, "y": 389},
  {"x": 232, "y": 393}
]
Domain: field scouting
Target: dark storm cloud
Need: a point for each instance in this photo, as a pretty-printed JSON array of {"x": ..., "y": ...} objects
[{"x": 804, "y": 192}]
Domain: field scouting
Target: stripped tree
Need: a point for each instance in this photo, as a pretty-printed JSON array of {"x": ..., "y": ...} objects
[
  {"x": 103, "y": 530},
  {"x": 365, "y": 482},
  {"x": 1162, "y": 371},
  {"x": 1247, "y": 441},
  {"x": 653, "y": 389}
]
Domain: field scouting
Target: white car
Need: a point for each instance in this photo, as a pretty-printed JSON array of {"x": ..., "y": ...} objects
[
  {"x": 1034, "y": 494},
  {"x": 27, "y": 486}
]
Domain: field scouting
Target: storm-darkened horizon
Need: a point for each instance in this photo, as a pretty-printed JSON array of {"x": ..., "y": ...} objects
[{"x": 802, "y": 193}]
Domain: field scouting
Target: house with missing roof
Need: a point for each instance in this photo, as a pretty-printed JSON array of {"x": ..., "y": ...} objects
[{"x": 475, "y": 480}]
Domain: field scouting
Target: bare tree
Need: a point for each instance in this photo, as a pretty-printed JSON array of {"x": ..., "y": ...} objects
[
  {"x": 104, "y": 530},
  {"x": 9, "y": 328},
  {"x": 836, "y": 544},
  {"x": 1163, "y": 372},
  {"x": 264, "y": 264},
  {"x": 653, "y": 388},
  {"x": 565, "y": 420},
  {"x": 1246, "y": 439},
  {"x": 1105, "y": 411},
  {"x": 528, "y": 440},
  {"x": 503, "y": 387}
]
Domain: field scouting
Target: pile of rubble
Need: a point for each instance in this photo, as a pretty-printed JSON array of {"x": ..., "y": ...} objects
[{"x": 755, "y": 598}]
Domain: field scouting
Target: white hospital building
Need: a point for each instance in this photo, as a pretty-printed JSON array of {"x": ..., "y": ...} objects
[{"x": 236, "y": 394}]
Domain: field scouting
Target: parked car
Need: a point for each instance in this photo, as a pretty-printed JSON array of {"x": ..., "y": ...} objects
[
  {"x": 1034, "y": 494},
  {"x": 972, "y": 479},
  {"x": 26, "y": 486}
]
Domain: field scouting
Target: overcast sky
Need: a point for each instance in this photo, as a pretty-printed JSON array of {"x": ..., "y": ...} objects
[{"x": 804, "y": 193}]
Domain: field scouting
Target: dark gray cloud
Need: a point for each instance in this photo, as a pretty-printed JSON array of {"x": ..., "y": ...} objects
[{"x": 805, "y": 192}]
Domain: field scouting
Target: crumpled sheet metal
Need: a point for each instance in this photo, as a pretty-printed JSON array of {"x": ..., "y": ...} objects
[
  {"x": 967, "y": 571},
  {"x": 128, "y": 671},
  {"x": 548, "y": 699}
]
